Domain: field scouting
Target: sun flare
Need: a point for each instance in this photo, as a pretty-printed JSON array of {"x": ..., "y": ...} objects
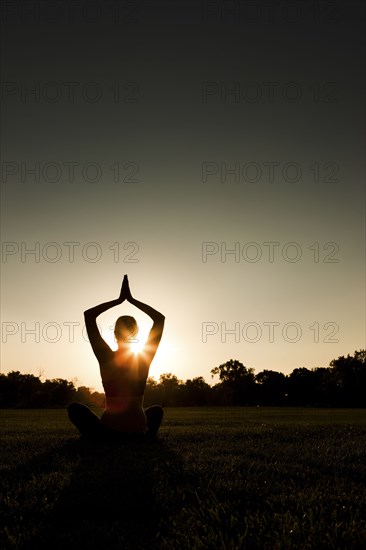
[{"x": 137, "y": 346}]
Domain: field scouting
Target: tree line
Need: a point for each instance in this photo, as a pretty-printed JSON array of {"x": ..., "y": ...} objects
[{"x": 342, "y": 384}]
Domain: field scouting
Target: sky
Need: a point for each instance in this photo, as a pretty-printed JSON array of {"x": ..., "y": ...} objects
[{"x": 213, "y": 151}]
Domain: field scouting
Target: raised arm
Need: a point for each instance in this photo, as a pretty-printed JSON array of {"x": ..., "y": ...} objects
[
  {"x": 100, "y": 347},
  {"x": 156, "y": 331}
]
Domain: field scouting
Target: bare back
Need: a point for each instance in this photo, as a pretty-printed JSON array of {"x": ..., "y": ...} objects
[{"x": 124, "y": 376}]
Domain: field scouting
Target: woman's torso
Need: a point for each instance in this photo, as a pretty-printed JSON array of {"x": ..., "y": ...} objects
[{"x": 124, "y": 377}]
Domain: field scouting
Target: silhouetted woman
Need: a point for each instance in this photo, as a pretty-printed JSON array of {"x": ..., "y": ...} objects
[{"x": 123, "y": 373}]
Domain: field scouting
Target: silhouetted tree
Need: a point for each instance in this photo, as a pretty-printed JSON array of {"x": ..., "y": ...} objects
[
  {"x": 271, "y": 389},
  {"x": 59, "y": 392},
  {"x": 19, "y": 390},
  {"x": 9, "y": 388},
  {"x": 170, "y": 387},
  {"x": 195, "y": 392},
  {"x": 300, "y": 386},
  {"x": 237, "y": 383},
  {"x": 349, "y": 377},
  {"x": 323, "y": 387},
  {"x": 88, "y": 397},
  {"x": 153, "y": 393},
  {"x": 342, "y": 384}
]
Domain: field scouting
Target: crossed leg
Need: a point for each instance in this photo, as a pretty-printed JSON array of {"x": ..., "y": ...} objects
[
  {"x": 84, "y": 419},
  {"x": 154, "y": 416},
  {"x": 89, "y": 424}
]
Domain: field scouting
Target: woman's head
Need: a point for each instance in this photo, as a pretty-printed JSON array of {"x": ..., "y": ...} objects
[{"x": 125, "y": 328}]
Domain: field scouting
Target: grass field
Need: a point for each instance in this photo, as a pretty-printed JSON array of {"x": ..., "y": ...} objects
[{"x": 216, "y": 478}]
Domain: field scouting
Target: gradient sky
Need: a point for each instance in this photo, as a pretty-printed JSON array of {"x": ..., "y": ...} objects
[{"x": 174, "y": 99}]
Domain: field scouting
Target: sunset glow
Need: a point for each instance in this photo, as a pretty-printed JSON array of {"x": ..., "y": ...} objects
[{"x": 223, "y": 172}]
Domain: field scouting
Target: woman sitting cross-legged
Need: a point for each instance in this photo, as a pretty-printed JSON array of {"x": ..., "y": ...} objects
[{"x": 124, "y": 374}]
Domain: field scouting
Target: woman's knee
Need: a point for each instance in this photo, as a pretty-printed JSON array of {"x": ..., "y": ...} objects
[
  {"x": 155, "y": 410},
  {"x": 154, "y": 416},
  {"x": 72, "y": 409},
  {"x": 79, "y": 411}
]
